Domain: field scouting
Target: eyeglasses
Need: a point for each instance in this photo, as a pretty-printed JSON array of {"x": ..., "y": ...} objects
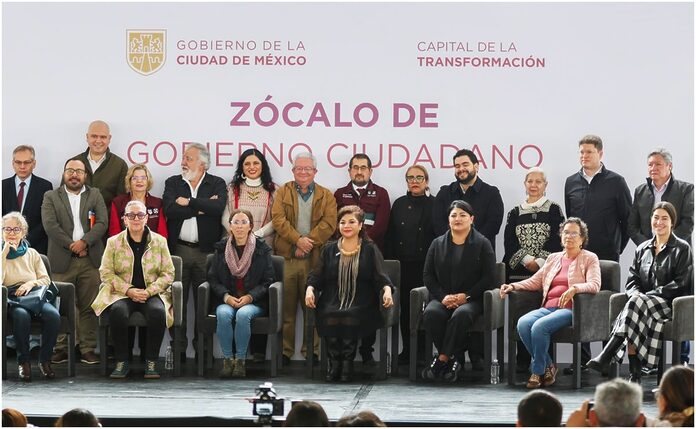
[
  {"x": 72, "y": 171},
  {"x": 303, "y": 169},
  {"x": 9, "y": 229},
  {"x": 20, "y": 163},
  {"x": 135, "y": 178},
  {"x": 239, "y": 222},
  {"x": 360, "y": 167},
  {"x": 571, "y": 234},
  {"x": 415, "y": 179},
  {"x": 132, "y": 216}
]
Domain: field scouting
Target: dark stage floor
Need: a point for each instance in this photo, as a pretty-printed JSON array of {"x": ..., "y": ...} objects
[{"x": 194, "y": 401}]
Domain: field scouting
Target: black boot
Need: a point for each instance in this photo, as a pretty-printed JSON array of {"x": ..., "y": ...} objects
[
  {"x": 605, "y": 357},
  {"x": 334, "y": 348},
  {"x": 349, "y": 347},
  {"x": 635, "y": 369},
  {"x": 347, "y": 371}
]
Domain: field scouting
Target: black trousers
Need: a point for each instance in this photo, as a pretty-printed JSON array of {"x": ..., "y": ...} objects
[
  {"x": 450, "y": 328},
  {"x": 119, "y": 313},
  {"x": 411, "y": 278},
  {"x": 341, "y": 348}
]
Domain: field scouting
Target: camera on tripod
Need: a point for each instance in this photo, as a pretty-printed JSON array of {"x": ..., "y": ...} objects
[{"x": 266, "y": 402}]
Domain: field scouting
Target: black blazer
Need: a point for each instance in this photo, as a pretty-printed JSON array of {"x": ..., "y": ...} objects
[{"x": 32, "y": 208}]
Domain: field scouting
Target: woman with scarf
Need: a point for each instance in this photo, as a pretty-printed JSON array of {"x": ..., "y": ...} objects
[
  {"x": 350, "y": 277},
  {"x": 239, "y": 278}
]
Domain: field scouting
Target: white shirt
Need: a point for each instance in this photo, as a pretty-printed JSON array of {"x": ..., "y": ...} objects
[
  {"x": 189, "y": 229},
  {"x": 27, "y": 182},
  {"x": 95, "y": 164},
  {"x": 78, "y": 232},
  {"x": 658, "y": 193},
  {"x": 590, "y": 177}
]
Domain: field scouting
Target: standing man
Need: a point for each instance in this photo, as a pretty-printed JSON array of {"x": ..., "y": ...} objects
[
  {"x": 193, "y": 201},
  {"x": 304, "y": 217},
  {"x": 24, "y": 193},
  {"x": 75, "y": 217},
  {"x": 105, "y": 170},
  {"x": 601, "y": 198},
  {"x": 488, "y": 216}
]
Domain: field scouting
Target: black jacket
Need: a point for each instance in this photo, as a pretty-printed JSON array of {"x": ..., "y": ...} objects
[
  {"x": 473, "y": 274},
  {"x": 604, "y": 205},
  {"x": 680, "y": 194},
  {"x": 256, "y": 282},
  {"x": 209, "y": 227},
  {"x": 669, "y": 275},
  {"x": 484, "y": 198},
  {"x": 33, "y": 198},
  {"x": 410, "y": 229}
]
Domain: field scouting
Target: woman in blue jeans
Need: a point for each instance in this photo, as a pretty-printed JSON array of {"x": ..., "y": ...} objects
[
  {"x": 239, "y": 278},
  {"x": 563, "y": 275}
]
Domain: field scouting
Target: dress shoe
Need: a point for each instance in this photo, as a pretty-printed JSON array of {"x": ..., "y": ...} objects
[
  {"x": 24, "y": 371},
  {"x": 59, "y": 356},
  {"x": 635, "y": 368},
  {"x": 90, "y": 358},
  {"x": 46, "y": 370},
  {"x": 534, "y": 381},
  {"x": 550, "y": 375},
  {"x": 607, "y": 355}
]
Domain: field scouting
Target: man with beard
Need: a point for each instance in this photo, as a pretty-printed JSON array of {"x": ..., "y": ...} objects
[
  {"x": 488, "y": 216},
  {"x": 75, "y": 218},
  {"x": 374, "y": 200},
  {"x": 193, "y": 201}
]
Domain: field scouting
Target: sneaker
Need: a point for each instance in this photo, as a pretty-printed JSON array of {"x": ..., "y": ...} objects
[
  {"x": 239, "y": 369},
  {"x": 649, "y": 371},
  {"x": 534, "y": 381},
  {"x": 550, "y": 375},
  {"x": 434, "y": 370},
  {"x": 90, "y": 358},
  {"x": 451, "y": 372},
  {"x": 227, "y": 368},
  {"x": 151, "y": 370},
  {"x": 59, "y": 356},
  {"x": 121, "y": 371}
]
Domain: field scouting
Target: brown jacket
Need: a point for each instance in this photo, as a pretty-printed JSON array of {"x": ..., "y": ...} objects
[{"x": 284, "y": 215}]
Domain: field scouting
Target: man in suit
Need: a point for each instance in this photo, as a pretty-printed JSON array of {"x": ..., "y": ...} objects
[
  {"x": 24, "y": 193},
  {"x": 193, "y": 201},
  {"x": 75, "y": 218}
]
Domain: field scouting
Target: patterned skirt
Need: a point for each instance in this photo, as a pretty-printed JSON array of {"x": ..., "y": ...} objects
[{"x": 641, "y": 323}]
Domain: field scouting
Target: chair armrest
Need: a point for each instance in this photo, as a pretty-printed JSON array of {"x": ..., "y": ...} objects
[
  {"x": 616, "y": 304},
  {"x": 4, "y": 312},
  {"x": 178, "y": 302},
  {"x": 391, "y": 314},
  {"x": 591, "y": 320},
  {"x": 683, "y": 318},
  {"x": 418, "y": 298},
  {"x": 67, "y": 301},
  {"x": 275, "y": 306},
  {"x": 493, "y": 310},
  {"x": 519, "y": 304},
  {"x": 203, "y": 302}
]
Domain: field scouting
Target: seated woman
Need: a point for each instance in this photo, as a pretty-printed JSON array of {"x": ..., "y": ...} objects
[
  {"x": 22, "y": 266},
  {"x": 459, "y": 267},
  {"x": 349, "y": 276},
  {"x": 564, "y": 275},
  {"x": 136, "y": 274},
  {"x": 239, "y": 278},
  {"x": 662, "y": 270}
]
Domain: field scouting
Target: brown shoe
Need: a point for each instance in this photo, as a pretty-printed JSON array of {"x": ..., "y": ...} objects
[
  {"x": 59, "y": 356},
  {"x": 534, "y": 381},
  {"x": 550, "y": 375},
  {"x": 90, "y": 358},
  {"x": 46, "y": 370},
  {"x": 24, "y": 371}
]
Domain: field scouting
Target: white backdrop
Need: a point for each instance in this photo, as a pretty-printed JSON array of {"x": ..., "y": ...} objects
[{"x": 521, "y": 82}]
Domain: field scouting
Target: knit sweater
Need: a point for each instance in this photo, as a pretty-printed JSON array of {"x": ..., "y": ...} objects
[{"x": 26, "y": 268}]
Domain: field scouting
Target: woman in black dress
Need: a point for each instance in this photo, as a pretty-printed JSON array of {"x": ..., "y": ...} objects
[{"x": 349, "y": 276}]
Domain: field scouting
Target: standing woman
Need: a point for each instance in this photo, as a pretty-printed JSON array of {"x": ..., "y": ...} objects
[
  {"x": 662, "y": 270},
  {"x": 350, "y": 276},
  {"x": 459, "y": 267},
  {"x": 139, "y": 181},
  {"x": 408, "y": 239}
]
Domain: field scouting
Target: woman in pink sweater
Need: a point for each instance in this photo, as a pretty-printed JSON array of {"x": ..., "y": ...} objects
[{"x": 563, "y": 275}]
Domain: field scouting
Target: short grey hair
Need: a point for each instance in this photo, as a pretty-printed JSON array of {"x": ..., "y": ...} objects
[
  {"x": 618, "y": 403},
  {"x": 664, "y": 153},
  {"x": 138, "y": 203},
  {"x": 305, "y": 155},
  {"x": 203, "y": 153},
  {"x": 536, "y": 170},
  {"x": 25, "y": 147},
  {"x": 17, "y": 217}
]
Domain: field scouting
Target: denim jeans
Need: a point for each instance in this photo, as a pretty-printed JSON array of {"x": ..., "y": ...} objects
[
  {"x": 235, "y": 324},
  {"x": 50, "y": 324},
  {"x": 535, "y": 329}
]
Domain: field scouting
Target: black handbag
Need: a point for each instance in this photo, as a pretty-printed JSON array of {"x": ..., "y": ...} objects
[{"x": 34, "y": 300}]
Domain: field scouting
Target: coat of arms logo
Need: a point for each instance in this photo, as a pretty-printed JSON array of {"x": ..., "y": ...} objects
[{"x": 146, "y": 50}]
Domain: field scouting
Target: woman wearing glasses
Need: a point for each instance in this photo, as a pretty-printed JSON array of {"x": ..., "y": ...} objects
[
  {"x": 22, "y": 265},
  {"x": 239, "y": 278},
  {"x": 138, "y": 182},
  {"x": 136, "y": 273},
  {"x": 409, "y": 236}
]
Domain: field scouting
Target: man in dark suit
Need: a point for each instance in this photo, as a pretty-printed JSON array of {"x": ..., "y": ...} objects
[
  {"x": 193, "y": 201},
  {"x": 24, "y": 193}
]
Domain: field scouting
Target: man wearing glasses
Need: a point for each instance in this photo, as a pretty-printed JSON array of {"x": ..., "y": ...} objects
[
  {"x": 304, "y": 217},
  {"x": 23, "y": 192},
  {"x": 75, "y": 218}
]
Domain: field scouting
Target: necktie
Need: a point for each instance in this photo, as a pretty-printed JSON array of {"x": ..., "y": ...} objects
[
  {"x": 361, "y": 192},
  {"x": 20, "y": 195}
]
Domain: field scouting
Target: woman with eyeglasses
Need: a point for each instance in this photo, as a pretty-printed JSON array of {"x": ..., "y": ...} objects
[
  {"x": 662, "y": 270},
  {"x": 22, "y": 266},
  {"x": 239, "y": 277},
  {"x": 564, "y": 274},
  {"x": 138, "y": 183},
  {"x": 409, "y": 235},
  {"x": 136, "y": 273}
]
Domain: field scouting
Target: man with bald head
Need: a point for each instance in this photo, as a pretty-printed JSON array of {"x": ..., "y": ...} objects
[{"x": 106, "y": 170}]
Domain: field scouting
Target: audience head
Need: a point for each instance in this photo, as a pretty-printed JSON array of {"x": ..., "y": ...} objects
[
  {"x": 664, "y": 218},
  {"x": 539, "y": 408},
  {"x": 195, "y": 162},
  {"x": 139, "y": 179},
  {"x": 360, "y": 169},
  {"x": 23, "y": 161},
  {"x": 74, "y": 174},
  {"x": 253, "y": 165},
  {"x": 304, "y": 168},
  {"x": 535, "y": 183},
  {"x": 78, "y": 417},
  {"x": 461, "y": 216},
  {"x": 98, "y": 138},
  {"x": 417, "y": 179},
  {"x": 350, "y": 222},
  {"x": 617, "y": 403},
  {"x": 466, "y": 166},
  {"x": 591, "y": 152},
  {"x": 306, "y": 414},
  {"x": 659, "y": 166},
  {"x": 361, "y": 419},
  {"x": 675, "y": 396},
  {"x": 568, "y": 230},
  {"x": 13, "y": 418}
]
